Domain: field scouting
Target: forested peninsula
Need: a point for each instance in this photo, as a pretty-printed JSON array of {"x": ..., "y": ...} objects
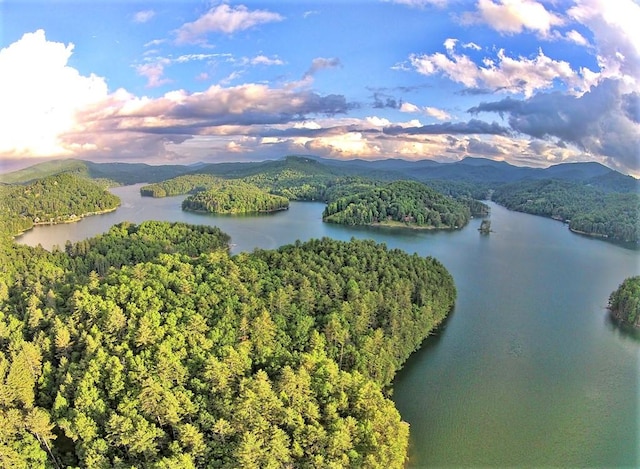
[
  {"x": 624, "y": 302},
  {"x": 61, "y": 198},
  {"x": 234, "y": 197}
]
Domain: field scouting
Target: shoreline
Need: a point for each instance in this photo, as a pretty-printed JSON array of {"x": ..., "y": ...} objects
[
  {"x": 65, "y": 222},
  {"x": 207, "y": 212}
]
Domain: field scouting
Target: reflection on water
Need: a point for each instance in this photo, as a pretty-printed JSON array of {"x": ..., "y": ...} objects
[{"x": 623, "y": 330}]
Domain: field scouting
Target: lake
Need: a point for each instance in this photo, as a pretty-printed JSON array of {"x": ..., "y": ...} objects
[{"x": 527, "y": 371}]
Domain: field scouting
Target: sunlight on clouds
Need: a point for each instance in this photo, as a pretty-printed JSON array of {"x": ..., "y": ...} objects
[
  {"x": 616, "y": 36},
  {"x": 223, "y": 19},
  {"x": 40, "y": 95},
  {"x": 513, "y": 75},
  {"x": 512, "y": 16}
]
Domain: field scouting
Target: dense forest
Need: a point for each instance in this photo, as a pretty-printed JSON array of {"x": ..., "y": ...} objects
[
  {"x": 55, "y": 199},
  {"x": 587, "y": 209},
  {"x": 624, "y": 302},
  {"x": 234, "y": 197},
  {"x": 187, "y": 357},
  {"x": 404, "y": 202}
]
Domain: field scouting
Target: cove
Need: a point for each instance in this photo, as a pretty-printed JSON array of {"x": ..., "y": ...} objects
[{"x": 526, "y": 371}]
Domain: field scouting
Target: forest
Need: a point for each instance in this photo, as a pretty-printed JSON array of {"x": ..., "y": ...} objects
[
  {"x": 61, "y": 198},
  {"x": 624, "y": 302},
  {"x": 405, "y": 202},
  {"x": 151, "y": 346},
  {"x": 234, "y": 197},
  {"x": 586, "y": 209}
]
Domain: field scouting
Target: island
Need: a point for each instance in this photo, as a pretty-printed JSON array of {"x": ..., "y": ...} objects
[
  {"x": 399, "y": 204},
  {"x": 234, "y": 197},
  {"x": 485, "y": 227},
  {"x": 624, "y": 302}
]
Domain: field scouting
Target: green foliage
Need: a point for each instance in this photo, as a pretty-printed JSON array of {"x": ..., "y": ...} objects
[
  {"x": 186, "y": 184},
  {"x": 56, "y": 199},
  {"x": 187, "y": 357},
  {"x": 231, "y": 197},
  {"x": 624, "y": 302},
  {"x": 127, "y": 243},
  {"x": 588, "y": 210},
  {"x": 407, "y": 202}
]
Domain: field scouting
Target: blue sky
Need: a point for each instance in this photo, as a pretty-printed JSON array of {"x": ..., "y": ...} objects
[{"x": 525, "y": 81}]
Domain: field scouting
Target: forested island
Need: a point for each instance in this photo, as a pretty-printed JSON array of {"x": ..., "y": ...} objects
[
  {"x": 624, "y": 302},
  {"x": 234, "y": 197},
  {"x": 402, "y": 203}
]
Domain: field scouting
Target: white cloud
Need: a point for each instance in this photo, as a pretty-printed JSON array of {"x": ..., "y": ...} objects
[
  {"x": 224, "y": 19},
  {"x": 264, "y": 60},
  {"x": 40, "y": 95},
  {"x": 514, "y": 16},
  {"x": 437, "y": 113},
  {"x": 616, "y": 35},
  {"x": 450, "y": 44},
  {"x": 409, "y": 107},
  {"x": 154, "y": 72},
  {"x": 471, "y": 45},
  {"x": 428, "y": 110},
  {"x": 504, "y": 73},
  {"x": 576, "y": 37},
  {"x": 143, "y": 16}
]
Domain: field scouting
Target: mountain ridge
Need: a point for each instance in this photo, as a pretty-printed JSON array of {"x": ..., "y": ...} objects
[{"x": 469, "y": 169}]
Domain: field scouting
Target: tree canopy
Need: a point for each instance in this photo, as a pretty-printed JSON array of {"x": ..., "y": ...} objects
[
  {"x": 624, "y": 302},
  {"x": 587, "y": 209},
  {"x": 233, "y": 197},
  {"x": 407, "y": 202},
  {"x": 179, "y": 355}
]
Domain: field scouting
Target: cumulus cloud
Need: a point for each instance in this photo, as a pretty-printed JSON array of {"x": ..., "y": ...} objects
[
  {"x": 600, "y": 122},
  {"x": 224, "y": 19},
  {"x": 615, "y": 29},
  {"x": 504, "y": 73},
  {"x": 515, "y": 16},
  {"x": 40, "y": 95}
]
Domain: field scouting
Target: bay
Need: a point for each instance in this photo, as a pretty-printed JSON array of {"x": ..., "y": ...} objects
[{"x": 527, "y": 371}]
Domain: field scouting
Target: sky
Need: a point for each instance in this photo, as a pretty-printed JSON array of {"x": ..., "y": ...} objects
[{"x": 530, "y": 82}]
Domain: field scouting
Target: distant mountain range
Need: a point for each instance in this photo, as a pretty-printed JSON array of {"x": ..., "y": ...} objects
[{"x": 470, "y": 170}]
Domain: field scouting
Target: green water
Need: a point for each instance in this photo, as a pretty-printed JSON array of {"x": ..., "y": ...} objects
[{"x": 527, "y": 371}]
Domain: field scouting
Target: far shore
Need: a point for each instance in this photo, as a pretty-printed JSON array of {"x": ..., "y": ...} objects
[{"x": 68, "y": 220}]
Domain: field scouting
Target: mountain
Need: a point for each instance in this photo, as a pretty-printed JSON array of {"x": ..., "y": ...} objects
[
  {"x": 122, "y": 173},
  {"x": 468, "y": 170}
]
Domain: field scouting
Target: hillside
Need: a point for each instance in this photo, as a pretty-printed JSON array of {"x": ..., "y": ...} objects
[
  {"x": 120, "y": 173},
  {"x": 63, "y": 198}
]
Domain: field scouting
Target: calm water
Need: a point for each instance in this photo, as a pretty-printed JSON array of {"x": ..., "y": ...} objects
[{"x": 527, "y": 371}]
